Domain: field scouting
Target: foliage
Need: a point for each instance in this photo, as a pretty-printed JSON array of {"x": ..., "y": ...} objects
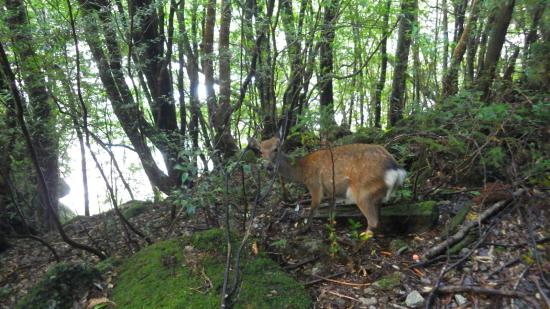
[
  {"x": 465, "y": 140},
  {"x": 188, "y": 273},
  {"x": 355, "y": 228},
  {"x": 60, "y": 286}
]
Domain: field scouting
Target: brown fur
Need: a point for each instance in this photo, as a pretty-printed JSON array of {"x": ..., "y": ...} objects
[{"x": 359, "y": 168}]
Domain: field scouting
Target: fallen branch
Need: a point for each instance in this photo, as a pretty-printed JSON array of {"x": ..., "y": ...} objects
[
  {"x": 481, "y": 290},
  {"x": 458, "y": 236},
  {"x": 302, "y": 263},
  {"x": 324, "y": 278},
  {"x": 343, "y": 282}
]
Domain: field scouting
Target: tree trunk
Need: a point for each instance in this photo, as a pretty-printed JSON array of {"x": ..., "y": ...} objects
[
  {"x": 471, "y": 49},
  {"x": 293, "y": 35},
  {"x": 222, "y": 116},
  {"x": 445, "y": 58},
  {"x": 498, "y": 35},
  {"x": 511, "y": 67},
  {"x": 264, "y": 71},
  {"x": 450, "y": 82},
  {"x": 383, "y": 67},
  {"x": 460, "y": 15},
  {"x": 531, "y": 36},
  {"x": 397, "y": 100},
  {"x": 128, "y": 113},
  {"x": 7, "y": 142},
  {"x": 148, "y": 38},
  {"x": 326, "y": 97},
  {"x": 42, "y": 120}
]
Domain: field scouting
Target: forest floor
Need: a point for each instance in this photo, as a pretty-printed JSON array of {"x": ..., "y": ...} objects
[{"x": 506, "y": 264}]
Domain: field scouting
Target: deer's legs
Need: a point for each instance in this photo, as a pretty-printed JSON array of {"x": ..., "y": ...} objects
[
  {"x": 316, "y": 197},
  {"x": 369, "y": 204}
]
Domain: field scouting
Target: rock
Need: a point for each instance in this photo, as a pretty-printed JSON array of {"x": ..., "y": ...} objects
[
  {"x": 460, "y": 300},
  {"x": 368, "y": 291},
  {"x": 368, "y": 301},
  {"x": 414, "y": 299},
  {"x": 316, "y": 269},
  {"x": 313, "y": 245}
]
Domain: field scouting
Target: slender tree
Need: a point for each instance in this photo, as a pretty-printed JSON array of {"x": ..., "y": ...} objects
[
  {"x": 450, "y": 82},
  {"x": 383, "y": 67},
  {"x": 445, "y": 22},
  {"x": 397, "y": 97},
  {"x": 326, "y": 98},
  {"x": 498, "y": 35}
]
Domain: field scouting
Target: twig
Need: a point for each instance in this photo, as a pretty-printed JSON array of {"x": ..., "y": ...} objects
[
  {"x": 541, "y": 291},
  {"x": 342, "y": 282},
  {"x": 430, "y": 298},
  {"x": 343, "y": 296},
  {"x": 433, "y": 260},
  {"x": 301, "y": 263},
  {"x": 481, "y": 290},
  {"x": 532, "y": 243},
  {"x": 324, "y": 278}
]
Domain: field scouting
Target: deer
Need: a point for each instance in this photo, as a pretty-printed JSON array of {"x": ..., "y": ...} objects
[{"x": 364, "y": 174}]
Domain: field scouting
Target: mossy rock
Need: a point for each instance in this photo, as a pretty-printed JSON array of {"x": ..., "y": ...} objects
[
  {"x": 134, "y": 208},
  {"x": 60, "y": 287},
  {"x": 188, "y": 273}
]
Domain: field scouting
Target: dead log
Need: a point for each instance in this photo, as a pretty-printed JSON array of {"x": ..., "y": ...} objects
[{"x": 458, "y": 236}]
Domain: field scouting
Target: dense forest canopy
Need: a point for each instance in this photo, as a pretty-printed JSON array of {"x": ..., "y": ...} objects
[{"x": 193, "y": 79}]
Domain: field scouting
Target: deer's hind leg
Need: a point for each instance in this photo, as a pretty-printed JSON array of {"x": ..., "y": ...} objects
[{"x": 368, "y": 202}]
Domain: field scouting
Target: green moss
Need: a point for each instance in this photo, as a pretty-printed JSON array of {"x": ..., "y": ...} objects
[
  {"x": 107, "y": 264},
  {"x": 177, "y": 274},
  {"x": 424, "y": 208},
  {"x": 388, "y": 282},
  {"x": 60, "y": 287},
  {"x": 134, "y": 208},
  {"x": 209, "y": 240},
  {"x": 457, "y": 220}
]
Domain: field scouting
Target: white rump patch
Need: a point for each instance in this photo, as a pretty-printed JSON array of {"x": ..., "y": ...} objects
[
  {"x": 349, "y": 197},
  {"x": 393, "y": 179}
]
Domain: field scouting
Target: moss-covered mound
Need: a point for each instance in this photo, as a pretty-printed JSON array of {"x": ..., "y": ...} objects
[
  {"x": 188, "y": 273},
  {"x": 60, "y": 287}
]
